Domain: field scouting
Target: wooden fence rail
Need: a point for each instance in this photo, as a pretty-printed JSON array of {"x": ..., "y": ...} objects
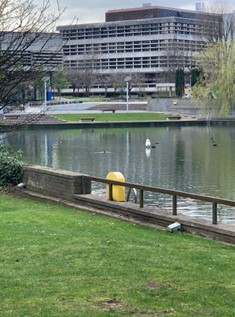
[{"x": 215, "y": 201}]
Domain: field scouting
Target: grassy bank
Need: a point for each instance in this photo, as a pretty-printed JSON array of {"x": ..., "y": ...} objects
[
  {"x": 131, "y": 116},
  {"x": 57, "y": 261}
]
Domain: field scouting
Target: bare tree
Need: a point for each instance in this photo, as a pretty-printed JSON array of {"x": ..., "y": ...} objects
[
  {"x": 117, "y": 82},
  {"x": 217, "y": 62},
  {"x": 137, "y": 81},
  {"x": 74, "y": 79},
  {"x": 104, "y": 81},
  {"x": 218, "y": 24},
  {"x": 29, "y": 47},
  {"x": 175, "y": 55},
  {"x": 83, "y": 76},
  {"x": 179, "y": 55}
]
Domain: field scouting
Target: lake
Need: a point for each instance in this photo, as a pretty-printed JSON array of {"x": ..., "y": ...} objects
[{"x": 192, "y": 159}]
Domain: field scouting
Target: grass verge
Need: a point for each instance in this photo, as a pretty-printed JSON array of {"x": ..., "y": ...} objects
[
  {"x": 131, "y": 116},
  {"x": 57, "y": 261}
]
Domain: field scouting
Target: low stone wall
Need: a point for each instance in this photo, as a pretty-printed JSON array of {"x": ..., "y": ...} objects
[
  {"x": 182, "y": 106},
  {"x": 55, "y": 183}
]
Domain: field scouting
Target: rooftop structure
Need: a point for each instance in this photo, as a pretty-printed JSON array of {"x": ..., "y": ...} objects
[{"x": 149, "y": 12}]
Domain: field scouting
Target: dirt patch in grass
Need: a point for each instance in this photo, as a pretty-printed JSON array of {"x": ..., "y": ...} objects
[
  {"x": 113, "y": 304},
  {"x": 154, "y": 285},
  {"x": 110, "y": 304},
  {"x": 155, "y": 314}
]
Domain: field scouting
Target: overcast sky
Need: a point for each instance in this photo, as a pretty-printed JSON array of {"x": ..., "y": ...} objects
[{"x": 86, "y": 11}]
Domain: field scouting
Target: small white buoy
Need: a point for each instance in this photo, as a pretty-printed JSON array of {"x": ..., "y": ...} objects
[{"x": 148, "y": 143}]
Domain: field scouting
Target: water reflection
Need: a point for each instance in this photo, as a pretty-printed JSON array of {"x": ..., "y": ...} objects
[
  {"x": 182, "y": 158},
  {"x": 147, "y": 152}
]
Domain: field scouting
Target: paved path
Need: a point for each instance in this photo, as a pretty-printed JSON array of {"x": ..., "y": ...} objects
[{"x": 84, "y": 107}]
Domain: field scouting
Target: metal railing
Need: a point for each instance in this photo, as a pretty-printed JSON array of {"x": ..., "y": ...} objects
[{"x": 174, "y": 193}]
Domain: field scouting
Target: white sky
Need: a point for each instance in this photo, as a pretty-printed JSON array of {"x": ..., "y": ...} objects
[{"x": 86, "y": 11}]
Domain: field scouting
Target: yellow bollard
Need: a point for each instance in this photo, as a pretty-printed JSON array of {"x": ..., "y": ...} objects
[{"x": 118, "y": 191}]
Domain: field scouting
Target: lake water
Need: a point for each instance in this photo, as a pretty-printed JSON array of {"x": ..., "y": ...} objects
[{"x": 192, "y": 159}]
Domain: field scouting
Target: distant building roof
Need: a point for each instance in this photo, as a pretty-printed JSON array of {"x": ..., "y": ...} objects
[{"x": 149, "y": 12}]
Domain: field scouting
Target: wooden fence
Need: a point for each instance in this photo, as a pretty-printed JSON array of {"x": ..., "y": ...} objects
[{"x": 174, "y": 193}]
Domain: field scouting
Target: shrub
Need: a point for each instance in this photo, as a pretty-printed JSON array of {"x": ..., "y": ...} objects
[{"x": 11, "y": 165}]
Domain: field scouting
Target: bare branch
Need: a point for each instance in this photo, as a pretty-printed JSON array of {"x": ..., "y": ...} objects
[{"x": 29, "y": 48}]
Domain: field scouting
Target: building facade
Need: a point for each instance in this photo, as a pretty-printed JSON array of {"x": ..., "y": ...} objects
[
  {"x": 151, "y": 42},
  {"x": 33, "y": 50}
]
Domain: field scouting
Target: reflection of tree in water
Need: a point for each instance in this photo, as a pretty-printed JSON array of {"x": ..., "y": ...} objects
[{"x": 179, "y": 161}]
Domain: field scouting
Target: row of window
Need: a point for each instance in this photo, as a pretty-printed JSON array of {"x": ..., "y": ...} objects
[
  {"x": 135, "y": 30},
  {"x": 132, "y": 47},
  {"x": 136, "y": 62},
  {"x": 51, "y": 59}
]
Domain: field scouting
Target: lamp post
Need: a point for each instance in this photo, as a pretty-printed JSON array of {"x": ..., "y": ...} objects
[{"x": 127, "y": 79}]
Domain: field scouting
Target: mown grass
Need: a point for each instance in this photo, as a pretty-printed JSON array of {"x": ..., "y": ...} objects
[
  {"x": 131, "y": 116},
  {"x": 57, "y": 261}
]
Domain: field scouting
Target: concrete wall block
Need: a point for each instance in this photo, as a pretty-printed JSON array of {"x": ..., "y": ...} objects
[{"x": 55, "y": 183}]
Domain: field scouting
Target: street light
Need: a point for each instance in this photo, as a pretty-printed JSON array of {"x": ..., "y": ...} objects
[{"x": 127, "y": 79}]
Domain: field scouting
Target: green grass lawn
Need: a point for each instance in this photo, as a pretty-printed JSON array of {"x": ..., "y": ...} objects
[
  {"x": 57, "y": 261},
  {"x": 131, "y": 116}
]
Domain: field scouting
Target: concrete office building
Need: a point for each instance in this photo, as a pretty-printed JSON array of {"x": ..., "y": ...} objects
[
  {"x": 34, "y": 49},
  {"x": 29, "y": 56},
  {"x": 152, "y": 41}
]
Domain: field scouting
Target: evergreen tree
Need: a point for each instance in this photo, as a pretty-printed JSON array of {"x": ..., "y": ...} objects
[{"x": 179, "y": 82}]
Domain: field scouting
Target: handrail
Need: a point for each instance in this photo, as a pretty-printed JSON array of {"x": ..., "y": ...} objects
[{"x": 174, "y": 193}]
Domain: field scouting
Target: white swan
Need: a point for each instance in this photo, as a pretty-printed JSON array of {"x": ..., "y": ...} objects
[{"x": 147, "y": 143}]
